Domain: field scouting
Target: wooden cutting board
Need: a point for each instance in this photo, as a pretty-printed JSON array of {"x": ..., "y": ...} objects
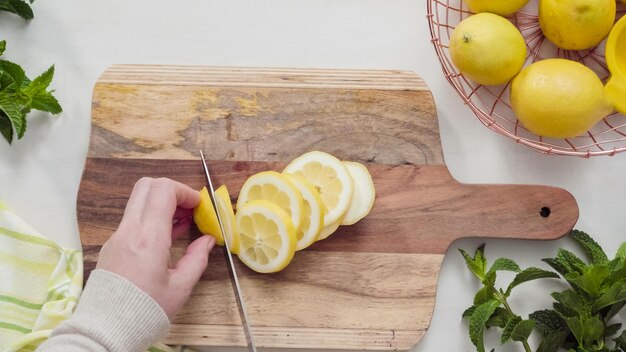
[{"x": 369, "y": 286}]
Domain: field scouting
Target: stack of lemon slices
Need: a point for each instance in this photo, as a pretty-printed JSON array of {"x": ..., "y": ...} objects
[{"x": 281, "y": 213}]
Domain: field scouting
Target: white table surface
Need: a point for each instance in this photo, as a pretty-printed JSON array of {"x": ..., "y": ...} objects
[{"x": 39, "y": 175}]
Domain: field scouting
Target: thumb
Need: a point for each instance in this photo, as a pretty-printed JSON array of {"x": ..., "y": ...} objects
[{"x": 190, "y": 267}]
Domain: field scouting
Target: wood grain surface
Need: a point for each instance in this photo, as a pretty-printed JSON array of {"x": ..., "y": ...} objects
[{"x": 370, "y": 286}]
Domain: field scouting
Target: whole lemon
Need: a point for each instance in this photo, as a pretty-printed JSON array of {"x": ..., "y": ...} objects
[
  {"x": 576, "y": 24},
  {"x": 499, "y": 7},
  {"x": 558, "y": 98},
  {"x": 487, "y": 49}
]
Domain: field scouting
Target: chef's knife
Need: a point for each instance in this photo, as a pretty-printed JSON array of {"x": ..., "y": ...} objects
[{"x": 231, "y": 265}]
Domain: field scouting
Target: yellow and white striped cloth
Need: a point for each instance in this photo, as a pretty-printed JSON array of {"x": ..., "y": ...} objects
[{"x": 40, "y": 283}]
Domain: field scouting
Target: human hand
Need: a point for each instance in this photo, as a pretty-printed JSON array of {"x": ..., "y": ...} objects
[{"x": 157, "y": 211}]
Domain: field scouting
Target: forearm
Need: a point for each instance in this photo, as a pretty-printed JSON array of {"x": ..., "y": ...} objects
[{"x": 112, "y": 315}]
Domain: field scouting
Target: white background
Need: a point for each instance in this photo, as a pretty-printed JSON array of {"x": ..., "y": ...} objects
[{"x": 39, "y": 175}]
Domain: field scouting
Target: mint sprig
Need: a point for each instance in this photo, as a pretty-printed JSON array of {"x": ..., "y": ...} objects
[
  {"x": 19, "y": 96},
  {"x": 581, "y": 316}
]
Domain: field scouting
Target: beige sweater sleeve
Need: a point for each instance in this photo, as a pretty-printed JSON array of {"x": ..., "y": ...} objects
[{"x": 112, "y": 315}]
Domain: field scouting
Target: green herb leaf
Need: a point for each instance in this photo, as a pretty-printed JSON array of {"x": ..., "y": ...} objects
[
  {"x": 613, "y": 329},
  {"x": 592, "y": 248},
  {"x": 571, "y": 304},
  {"x": 529, "y": 274},
  {"x": 621, "y": 251},
  {"x": 14, "y": 73},
  {"x": 5, "y": 127},
  {"x": 586, "y": 330},
  {"x": 615, "y": 308},
  {"x": 615, "y": 294},
  {"x": 483, "y": 295},
  {"x": 468, "y": 312},
  {"x": 3, "y": 46},
  {"x": 522, "y": 330},
  {"x": 552, "y": 342},
  {"x": 548, "y": 322},
  {"x": 508, "y": 329},
  {"x": 477, "y": 322},
  {"x": 45, "y": 101},
  {"x": 41, "y": 83},
  {"x": 591, "y": 280},
  {"x": 477, "y": 264},
  {"x": 499, "y": 318},
  {"x": 504, "y": 264},
  {"x": 14, "y": 113},
  {"x": 18, "y": 7},
  {"x": 620, "y": 342}
]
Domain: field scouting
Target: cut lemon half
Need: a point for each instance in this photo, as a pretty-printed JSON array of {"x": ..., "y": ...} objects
[
  {"x": 331, "y": 179},
  {"x": 225, "y": 209},
  {"x": 205, "y": 218},
  {"x": 363, "y": 195},
  {"x": 276, "y": 188},
  {"x": 312, "y": 212},
  {"x": 267, "y": 236}
]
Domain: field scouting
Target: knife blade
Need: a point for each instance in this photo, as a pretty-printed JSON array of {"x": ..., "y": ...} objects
[{"x": 231, "y": 265}]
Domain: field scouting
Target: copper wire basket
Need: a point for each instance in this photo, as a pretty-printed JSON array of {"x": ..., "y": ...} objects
[{"x": 491, "y": 103}]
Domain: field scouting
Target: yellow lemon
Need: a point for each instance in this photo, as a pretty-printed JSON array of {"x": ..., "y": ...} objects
[
  {"x": 487, "y": 49},
  {"x": 499, "y": 7},
  {"x": 206, "y": 219},
  {"x": 276, "y": 188},
  {"x": 576, "y": 24},
  {"x": 267, "y": 236},
  {"x": 558, "y": 98},
  {"x": 313, "y": 212}
]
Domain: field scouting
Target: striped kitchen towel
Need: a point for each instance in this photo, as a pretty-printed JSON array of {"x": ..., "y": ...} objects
[{"x": 40, "y": 283}]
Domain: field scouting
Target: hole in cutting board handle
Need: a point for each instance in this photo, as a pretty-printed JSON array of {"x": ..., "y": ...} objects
[{"x": 544, "y": 212}]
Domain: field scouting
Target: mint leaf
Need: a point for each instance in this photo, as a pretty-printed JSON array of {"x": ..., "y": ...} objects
[
  {"x": 477, "y": 322},
  {"x": 477, "y": 264},
  {"x": 591, "y": 280},
  {"x": 14, "y": 73},
  {"x": 620, "y": 342},
  {"x": 499, "y": 318},
  {"x": 552, "y": 342},
  {"x": 529, "y": 274},
  {"x": 615, "y": 308},
  {"x": 3, "y": 46},
  {"x": 571, "y": 303},
  {"x": 591, "y": 247},
  {"x": 613, "y": 329},
  {"x": 17, "y": 7},
  {"x": 508, "y": 329},
  {"x": 621, "y": 251},
  {"x": 483, "y": 295},
  {"x": 615, "y": 294},
  {"x": 504, "y": 264},
  {"x": 468, "y": 312},
  {"x": 548, "y": 322},
  {"x": 6, "y": 128},
  {"x": 41, "y": 83},
  {"x": 522, "y": 330},
  {"x": 13, "y": 112},
  {"x": 45, "y": 101}
]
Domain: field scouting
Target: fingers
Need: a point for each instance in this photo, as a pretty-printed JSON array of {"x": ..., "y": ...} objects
[
  {"x": 180, "y": 227},
  {"x": 190, "y": 267},
  {"x": 182, "y": 213}
]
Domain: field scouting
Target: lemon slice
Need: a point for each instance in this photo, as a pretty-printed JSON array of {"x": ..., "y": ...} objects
[
  {"x": 312, "y": 212},
  {"x": 276, "y": 188},
  {"x": 330, "y": 177},
  {"x": 267, "y": 236},
  {"x": 364, "y": 193},
  {"x": 329, "y": 230},
  {"x": 225, "y": 209},
  {"x": 205, "y": 218}
]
